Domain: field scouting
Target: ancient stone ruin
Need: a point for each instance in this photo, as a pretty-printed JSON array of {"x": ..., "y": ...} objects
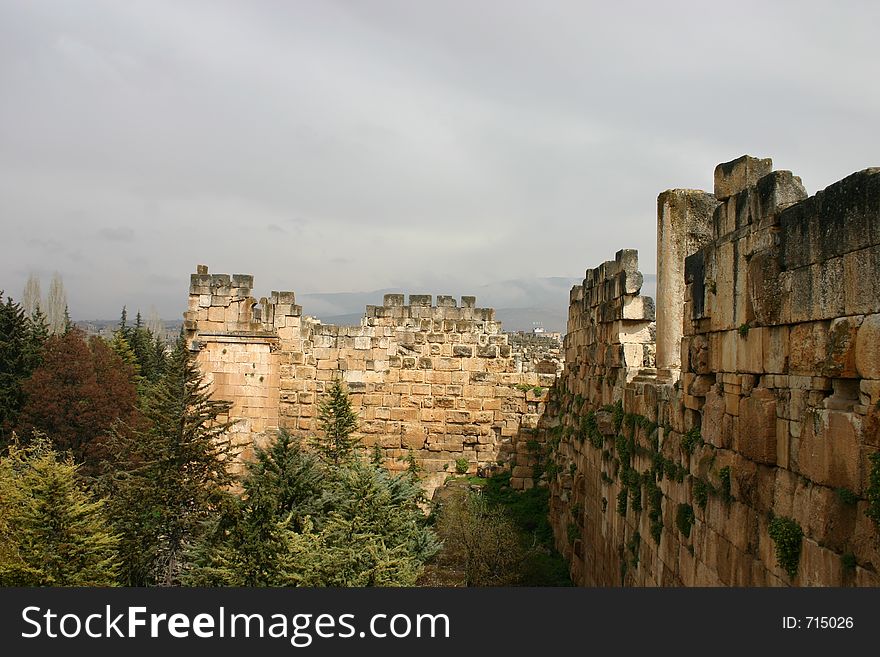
[
  {"x": 745, "y": 456},
  {"x": 441, "y": 380},
  {"x": 733, "y": 441}
]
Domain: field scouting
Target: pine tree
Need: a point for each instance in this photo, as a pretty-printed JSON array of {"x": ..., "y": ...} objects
[
  {"x": 338, "y": 422},
  {"x": 170, "y": 475},
  {"x": 252, "y": 541},
  {"x": 20, "y": 353},
  {"x": 374, "y": 535},
  {"x": 51, "y": 532}
]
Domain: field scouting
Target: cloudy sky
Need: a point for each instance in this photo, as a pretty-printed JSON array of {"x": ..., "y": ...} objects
[{"x": 330, "y": 146}]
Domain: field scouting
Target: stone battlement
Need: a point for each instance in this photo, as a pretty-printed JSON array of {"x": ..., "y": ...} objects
[
  {"x": 441, "y": 380},
  {"x": 765, "y": 401}
]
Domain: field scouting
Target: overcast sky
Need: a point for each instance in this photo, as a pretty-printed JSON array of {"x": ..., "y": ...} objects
[{"x": 332, "y": 146}]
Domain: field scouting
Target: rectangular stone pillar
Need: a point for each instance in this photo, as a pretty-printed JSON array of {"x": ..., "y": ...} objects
[{"x": 684, "y": 225}]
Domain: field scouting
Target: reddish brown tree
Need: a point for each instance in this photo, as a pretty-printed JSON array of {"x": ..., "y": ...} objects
[{"x": 77, "y": 395}]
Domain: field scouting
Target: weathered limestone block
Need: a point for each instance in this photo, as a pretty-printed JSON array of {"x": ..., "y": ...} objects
[
  {"x": 756, "y": 438},
  {"x": 867, "y": 348},
  {"x": 684, "y": 226},
  {"x": 861, "y": 281},
  {"x": 840, "y": 350},
  {"x": 829, "y": 452},
  {"x": 807, "y": 347},
  {"x": 775, "y": 348},
  {"x": 767, "y": 292},
  {"x": 734, "y": 176},
  {"x": 777, "y": 191}
]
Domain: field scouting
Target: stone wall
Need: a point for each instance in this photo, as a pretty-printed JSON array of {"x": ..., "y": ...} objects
[
  {"x": 441, "y": 380},
  {"x": 761, "y": 412}
]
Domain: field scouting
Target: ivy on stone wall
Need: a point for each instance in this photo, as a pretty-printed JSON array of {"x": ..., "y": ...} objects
[{"x": 788, "y": 537}]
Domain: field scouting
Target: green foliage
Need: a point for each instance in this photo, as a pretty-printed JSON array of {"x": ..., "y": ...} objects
[
  {"x": 21, "y": 349},
  {"x": 481, "y": 539},
  {"x": 617, "y": 415},
  {"x": 622, "y": 498},
  {"x": 462, "y": 465},
  {"x": 684, "y": 519},
  {"x": 338, "y": 422},
  {"x": 873, "y": 492},
  {"x": 52, "y": 533},
  {"x": 590, "y": 429},
  {"x": 846, "y": 496},
  {"x": 538, "y": 391},
  {"x": 691, "y": 440},
  {"x": 655, "y": 512},
  {"x": 533, "y": 445},
  {"x": 724, "y": 490},
  {"x": 305, "y": 522},
  {"x": 573, "y": 533},
  {"x": 167, "y": 475},
  {"x": 788, "y": 536},
  {"x": 743, "y": 330},
  {"x": 702, "y": 489},
  {"x": 523, "y": 387},
  {"x": 604, "y": 504},
  {"x": 633, "y": 481}
]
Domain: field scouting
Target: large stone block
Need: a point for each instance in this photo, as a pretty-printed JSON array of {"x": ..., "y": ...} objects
[
  {"x": 829, "y": 452},
  {"x": 840, "y": 349},
  {"x": 766, "y": 288},
  {"x": 807, "y": 347},
  {"x": 743, "y": 172},
  {"x": 777, "y": 191},
  {"x": 775, "y": 347},
  {"x": 756, "y": 438},
  {"x": 867, "y": 351},
  {"x": 861, "y": 273}
]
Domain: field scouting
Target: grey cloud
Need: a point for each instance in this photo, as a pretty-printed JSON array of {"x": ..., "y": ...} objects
[
  {"x": 117, "y": 234},
  {"x": 445, "y": 145}
]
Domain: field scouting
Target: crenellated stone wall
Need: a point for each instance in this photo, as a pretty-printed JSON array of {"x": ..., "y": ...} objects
[
  {"x": 441, "y": 380},
  {"x": 758, "y": 413}
]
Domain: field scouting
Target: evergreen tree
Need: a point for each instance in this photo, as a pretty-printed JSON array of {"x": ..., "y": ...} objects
[
  {"x": 338, "y": 422},
  {"x": 252, "y": 542},
  {"x": 21, "y": 347},
  {"x": 51, "y": 532},
  {"x": 77, "y": 395},
  {"x": 302, "y": 522},
  {"x": 170, "y": 475},
  {"x": 375, "y": 534}
]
